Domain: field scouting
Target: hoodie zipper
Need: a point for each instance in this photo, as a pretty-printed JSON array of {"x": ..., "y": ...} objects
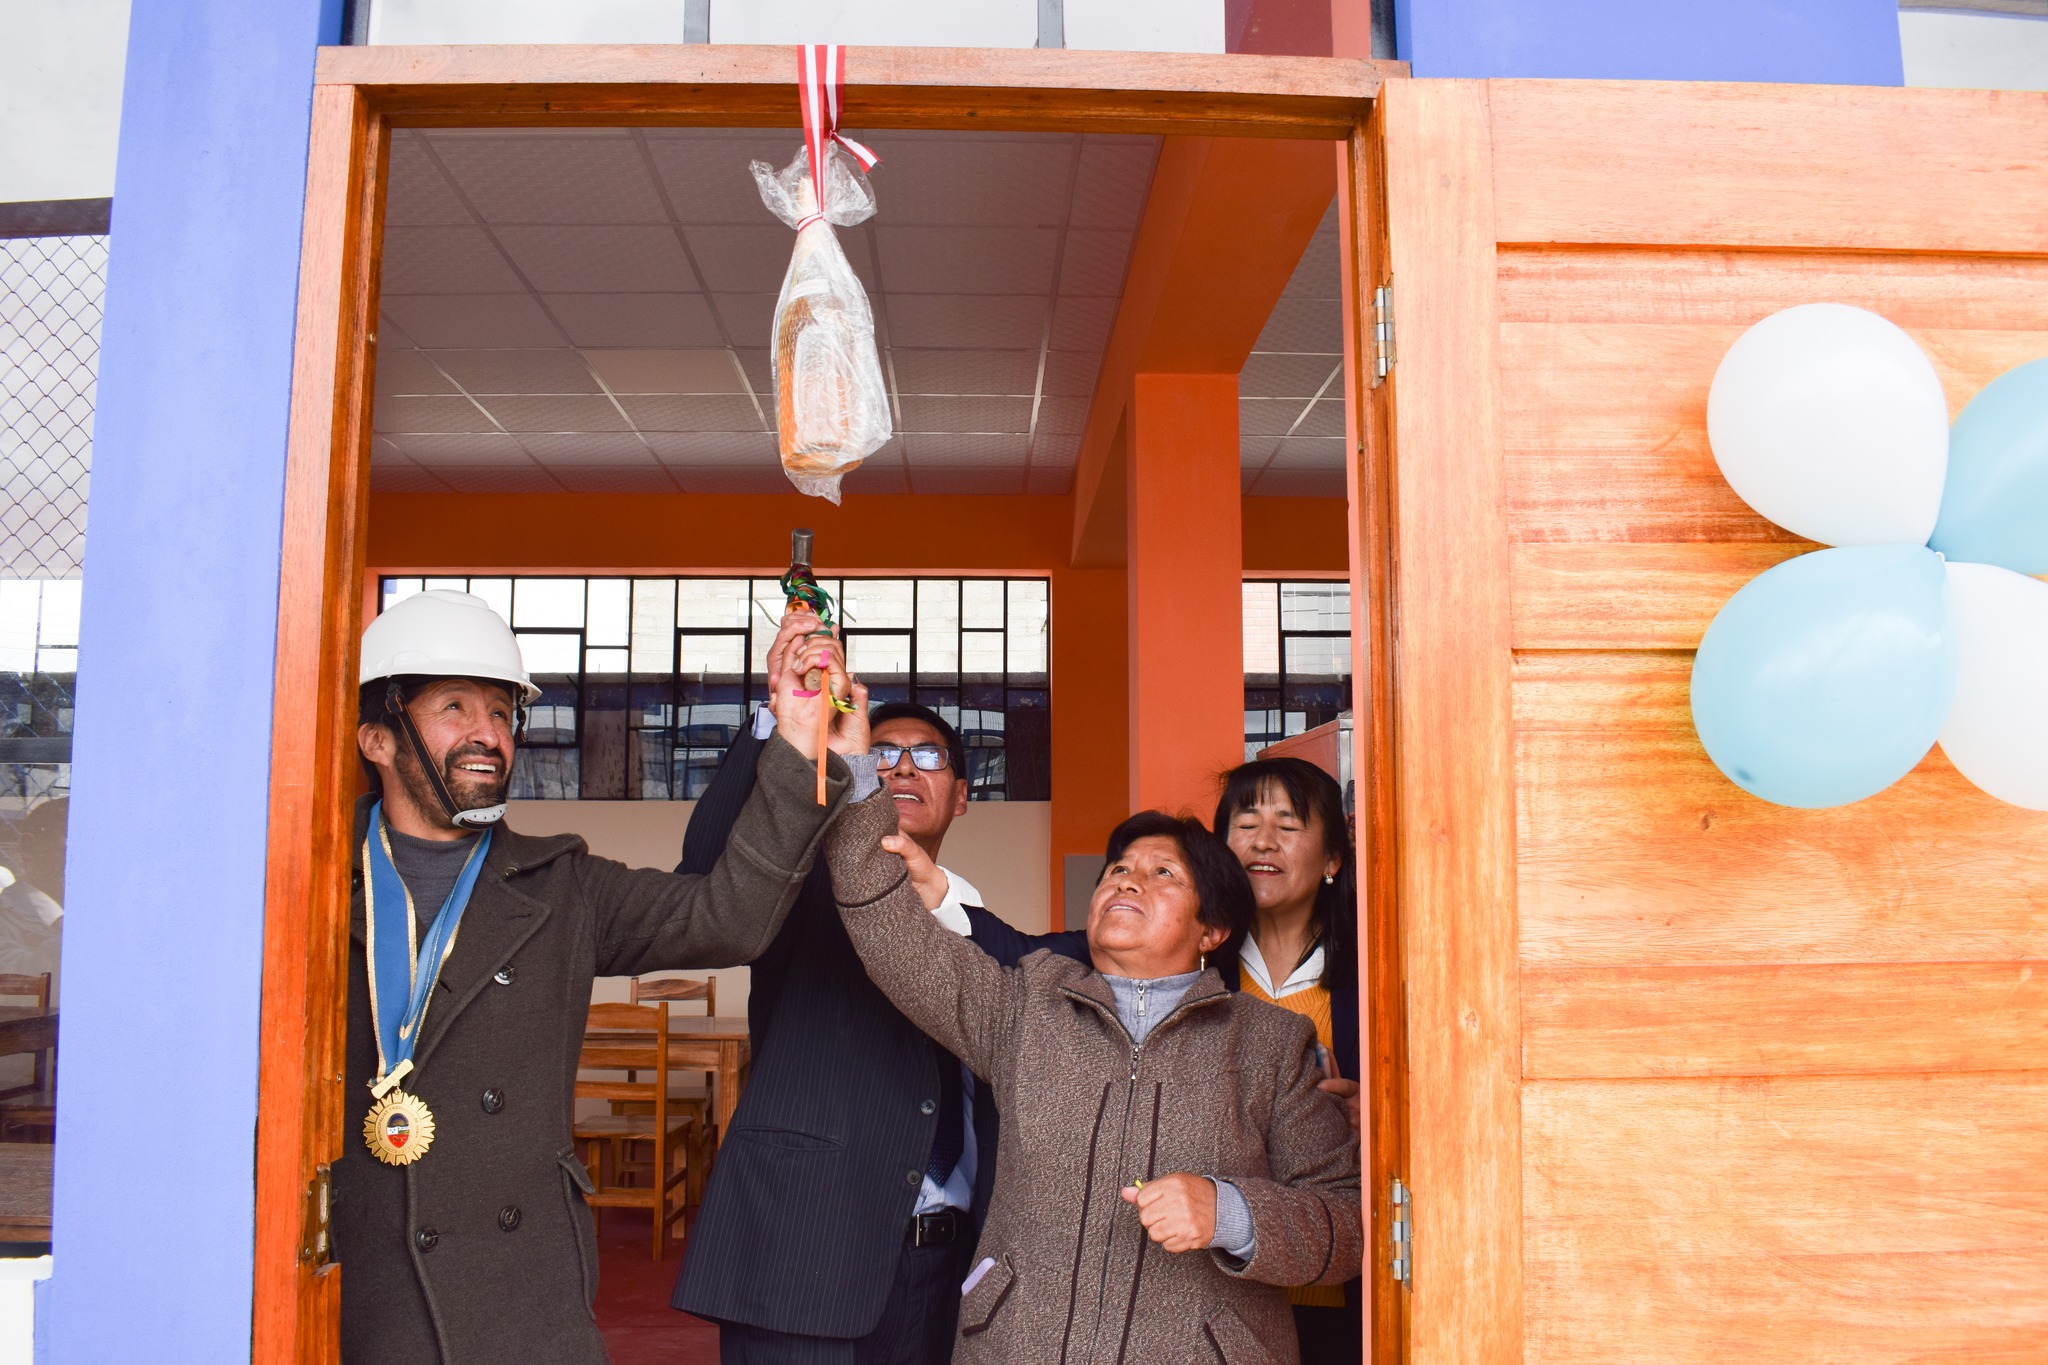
[{"x": 1122, "y": 1143}]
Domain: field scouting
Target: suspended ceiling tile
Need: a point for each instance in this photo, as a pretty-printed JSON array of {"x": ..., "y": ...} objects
[
  {"x": 1062, "y": 415},
  {"x": 470, "y": 448},
  {"x": 1267, "y": 416},
  {"x": 429, "y": 415},
  {"x": 561, "y": 449},
  {"x": 1254, "y": 451},
  {"x": 1115, "y": 176},
  {"x": 641, "y": 321},
  {"x": 436, "y": 321},
  {"x": 746, "y": 478},
  {"x": 1093, "y": 262},
  {"x": 924, "y": 371},
  {"x": 445, "y": 260},
  {"x": 1058, "y": 449},
  {"x": 967, "y": 482},
  {"x": 418, "y": 192},
  {"x": 1313, "y": 326},
  {"x": 691, "y": 412},
  {"x": 1299, "y": 483},
  {"x": 515, "y": 371},
  {"x": 404, "y": 477},
  {"x": 760, "y": 370},
  {"x": 1288, "y": 376},
  {"x": 966, "y": 414},
  {"x": 749, "y": 319},
  {"x": 1049, "y": 480},
  {"x": 701, "y": 371},
  {"x": 526, "y": 478},
  {"x": 1325, "y": 418},
  {"x": 1082, "y": 324},
  {"x": 1309, "y": 452},
  {"x": 935, "y": 452},
  {"x": 382, "y": 451},
  {"x": 690, "y": 448},
  {"x": 405, "y": 371},
  {"x": 1072, "y": 373},
  {"x": 872, "y": 479},
  {"x": 970, "y": 180},
  {"x": 517, "y": 179},
  {"x": 646, "y": 478},
  {"x": 1319, "y": 274},
  {"x": 599, "y": 259},
  {"x": 707, "y": 178},
  {"x": 555, "y": 412},
  {"x": 990, "y": 320},
  {"x": 739, "y": 259},
  {"x": 960, "y": 260}
]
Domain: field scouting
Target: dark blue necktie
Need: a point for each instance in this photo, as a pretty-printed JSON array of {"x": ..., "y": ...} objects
[{"x": 950, "y": 1137}]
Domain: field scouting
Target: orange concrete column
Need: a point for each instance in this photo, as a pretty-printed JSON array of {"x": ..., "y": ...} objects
[
  {"x": 1186, "y": 555},
  {"x": 1090, "y": 720}
]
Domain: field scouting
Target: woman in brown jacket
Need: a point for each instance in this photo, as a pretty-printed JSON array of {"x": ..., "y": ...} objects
[{"x": 1167, "y": 1164}]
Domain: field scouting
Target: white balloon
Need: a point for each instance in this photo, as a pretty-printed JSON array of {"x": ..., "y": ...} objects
[
  {"x": 1997, "y": 733},
  {"x": 1830, "y": 421}
]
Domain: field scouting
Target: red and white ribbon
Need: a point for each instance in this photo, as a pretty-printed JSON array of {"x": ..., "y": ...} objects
[{"x": 821, "y": 80}]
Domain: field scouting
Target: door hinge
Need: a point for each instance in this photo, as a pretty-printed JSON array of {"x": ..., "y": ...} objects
[
  {"x": 313, "y": 1243},
  {"x": 1402, "y": 1234},
  {"x": 1382, "y": 332}
]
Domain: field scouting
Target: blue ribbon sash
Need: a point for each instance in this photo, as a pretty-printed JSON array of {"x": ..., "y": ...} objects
[{"x": 402, "y": 969}]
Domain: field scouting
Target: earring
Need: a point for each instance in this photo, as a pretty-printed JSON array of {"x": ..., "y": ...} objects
[{"x": 1329, "y": 881}]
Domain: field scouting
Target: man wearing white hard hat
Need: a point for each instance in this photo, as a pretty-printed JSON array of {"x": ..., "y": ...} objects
[{"x": 459, "y": 1220}]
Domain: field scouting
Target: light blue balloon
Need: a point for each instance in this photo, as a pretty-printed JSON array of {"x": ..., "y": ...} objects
[
  {"x": 1827, "y": 678},
  {"x": 1994, "y": 507}
]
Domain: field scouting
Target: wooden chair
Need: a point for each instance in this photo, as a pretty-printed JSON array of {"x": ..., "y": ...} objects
[
  {"x": 634, "y": 1039},
  {"x": 29, "y": 1112},
  {"x": 642, "y": 991}
]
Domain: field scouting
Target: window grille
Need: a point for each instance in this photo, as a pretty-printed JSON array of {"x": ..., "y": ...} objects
[
  {"x": 645, "y": 682},
  {"x": 1297, "y": 658}
]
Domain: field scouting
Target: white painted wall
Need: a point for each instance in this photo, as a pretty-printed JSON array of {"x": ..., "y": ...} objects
[
  {"x": 880, "y": 23},
  {"x": 60, "y": 97},
  {"x": 18, "y": 1279},
  {"x": 526, "y": 21},
  {"x": 1145, "y": 25},
  {"x": 1974, "y": 51},
  {"x": 1003, "y": 847}
]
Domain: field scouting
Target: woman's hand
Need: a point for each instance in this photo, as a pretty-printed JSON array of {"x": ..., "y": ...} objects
[
  {"x": 1333, "y": 1083},
  {"x": 850, "y": 728},
  {"x": 929, "y": 879},
  {"x": 1178, "y": 1211}
]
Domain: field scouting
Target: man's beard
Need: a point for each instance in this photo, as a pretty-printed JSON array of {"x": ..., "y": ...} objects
[{"x": 467, "y": 790}]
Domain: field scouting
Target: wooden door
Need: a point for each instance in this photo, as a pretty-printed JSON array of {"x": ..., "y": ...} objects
[{"x": 1692, "y": 1077}]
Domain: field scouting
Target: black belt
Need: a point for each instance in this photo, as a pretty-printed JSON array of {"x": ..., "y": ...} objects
[{"x": 939, "y": 1228}]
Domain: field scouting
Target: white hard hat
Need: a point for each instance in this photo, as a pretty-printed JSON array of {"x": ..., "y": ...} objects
[{"x": 444, "y": 634}]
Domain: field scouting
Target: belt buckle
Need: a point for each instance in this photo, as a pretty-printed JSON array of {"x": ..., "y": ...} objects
[{"x": 937, "y": 1228}]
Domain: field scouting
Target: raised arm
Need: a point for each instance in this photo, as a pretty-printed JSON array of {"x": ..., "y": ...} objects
[
  {"x": 1305, "y": 1219},
  {"x": 962, "y": 998}
]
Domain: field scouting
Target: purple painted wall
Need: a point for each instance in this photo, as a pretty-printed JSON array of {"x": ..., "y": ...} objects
[
  {"x": 1836, "y": 42},
  {"x": 164, "y": 912}
]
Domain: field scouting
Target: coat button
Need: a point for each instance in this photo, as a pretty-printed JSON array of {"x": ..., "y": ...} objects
[
  {"x": 508, "y": 1217},
  {"x": 913, "y": 1177},
  {"x": 506, "y": 975},
  {"x": 928, "y": 1107},
  {"x": 426, "y": 1239},
  {"x": 494, "y": 1100}
]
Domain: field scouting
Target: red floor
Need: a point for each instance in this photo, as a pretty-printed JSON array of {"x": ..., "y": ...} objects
[{"x": 632, "y": 1299}]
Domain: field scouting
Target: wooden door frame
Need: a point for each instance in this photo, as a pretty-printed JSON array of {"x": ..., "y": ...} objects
[{"x": 360, "y": 94}]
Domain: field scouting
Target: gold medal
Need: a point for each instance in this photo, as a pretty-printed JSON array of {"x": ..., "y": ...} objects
[{"x": 399, "y": 1129}]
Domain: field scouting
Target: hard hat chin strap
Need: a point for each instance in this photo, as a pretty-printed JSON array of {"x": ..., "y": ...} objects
[{"x": 394, "y": 705}]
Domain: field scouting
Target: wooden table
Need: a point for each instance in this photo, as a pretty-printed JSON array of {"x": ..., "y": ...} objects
[
  {"x": 719, "y": 1046},
  {"x": 25, "y": 1191}
]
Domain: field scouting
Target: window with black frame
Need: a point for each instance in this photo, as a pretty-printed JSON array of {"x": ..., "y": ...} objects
[
  {"x": 645, "y": 682},
  {"x": 1297, "y": 658}
]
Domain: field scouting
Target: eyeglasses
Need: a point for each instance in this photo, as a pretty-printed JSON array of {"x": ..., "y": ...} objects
[{"x": 928, "y": 758}]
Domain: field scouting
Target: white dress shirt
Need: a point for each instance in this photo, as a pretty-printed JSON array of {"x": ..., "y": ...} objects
[
  {"x": 1253, "y": 963},
  {"x": 958, "y": 1191}
]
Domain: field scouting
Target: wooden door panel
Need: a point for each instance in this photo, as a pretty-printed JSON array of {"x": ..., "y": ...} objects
[
  {"x": 1836, "y": 1018},
  {"x": 1630, "y": 596},
  {"x": 1634, "y": 849},
  {"x": 1854, "y": 1219},
  {"x": 1701, "y": 163}
]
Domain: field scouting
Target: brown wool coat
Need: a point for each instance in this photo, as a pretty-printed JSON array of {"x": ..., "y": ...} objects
[
  {"x": 483, "y": 1251},
  {"x": 1222, "y": 1086}
]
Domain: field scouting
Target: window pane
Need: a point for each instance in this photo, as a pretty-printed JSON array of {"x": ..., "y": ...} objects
[
  {"x": 879, "y": 658},
  {"x": 550, "y": 653},
  {"x": 654, "y": 625},
  {"x": 497, "y": 592},
  {"x": 710, "y": 656},
  {"x": 981, "y": 653},
  {"x": 447, "y": 584},
  {"x": 938, "y": 628},
  {"x": 60, "y": 613},
  {"x": 398, "y": 589},
  {"x": 1262, "y": 631},
  {"x": 981, "y": 602},
  {"x": 56, "y": 661},
  {"x": 714, "y": 602},
  {"x": 1315, "y": 606},
  {"x": 610, "y": 612},
  {"x": 1028, "y": 619},
  {"x": 765, "y": 620},
  {"x": 611, "y": 662},
  {"x": 878, "y": 602},
  {"x": 548, "y": 602},
  {"x": 20, "y": 602},
  {"x": 1318, "y": 656}
]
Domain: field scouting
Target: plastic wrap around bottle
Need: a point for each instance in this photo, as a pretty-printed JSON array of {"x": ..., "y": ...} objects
[{"x": 831, "y": 406}]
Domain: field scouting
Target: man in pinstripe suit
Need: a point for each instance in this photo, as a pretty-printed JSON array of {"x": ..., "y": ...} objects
[{"x": 847, "y": 1196}]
